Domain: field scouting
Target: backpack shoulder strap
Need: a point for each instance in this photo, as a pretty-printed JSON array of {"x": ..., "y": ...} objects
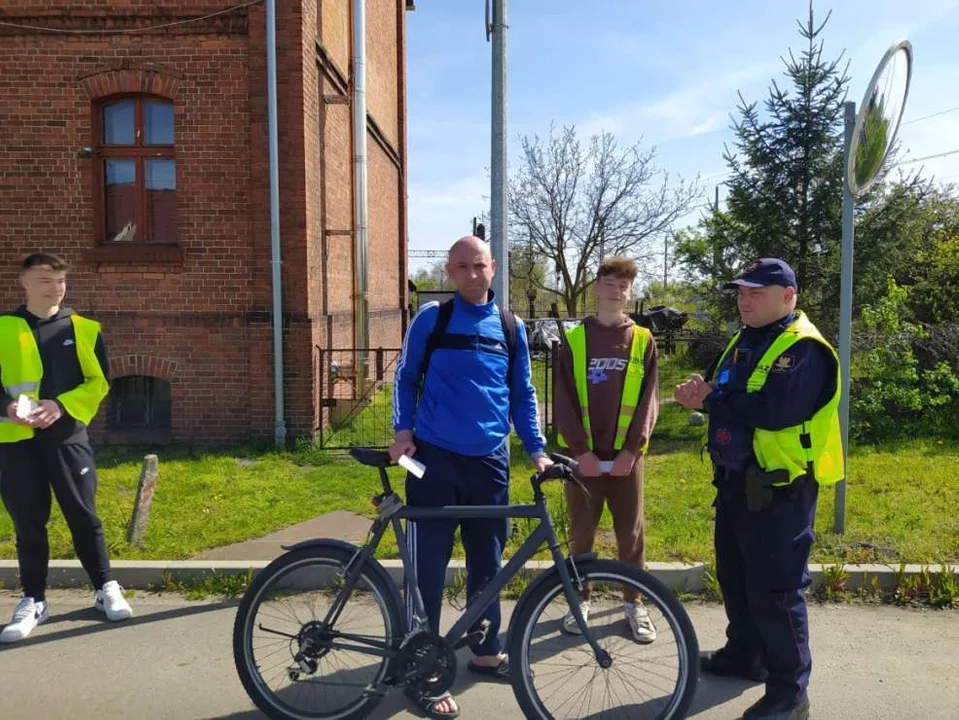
[
  {"x": 439, "y": 330},
  {"x": 508, "y": 319}
]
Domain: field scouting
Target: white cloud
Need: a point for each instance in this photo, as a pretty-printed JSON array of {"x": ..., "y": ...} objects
[{"x": 693, "y": 109}]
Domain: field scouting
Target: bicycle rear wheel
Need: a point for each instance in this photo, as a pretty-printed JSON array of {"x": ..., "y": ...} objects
[
  {"x": 284, "y": 651},
  {"x": 555, "y": 673}
]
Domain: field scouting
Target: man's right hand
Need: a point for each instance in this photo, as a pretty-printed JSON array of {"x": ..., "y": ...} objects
[
  {"x": 12, "y": 415},
  {"x": 402, "y": 445},
  {"x": 588, "y": 465}
]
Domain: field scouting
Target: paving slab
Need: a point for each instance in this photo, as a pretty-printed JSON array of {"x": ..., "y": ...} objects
[{"x": 339, "y": 524}]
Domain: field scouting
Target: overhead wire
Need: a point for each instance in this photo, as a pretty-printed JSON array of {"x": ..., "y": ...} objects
[{"x": 128, "y": 31}]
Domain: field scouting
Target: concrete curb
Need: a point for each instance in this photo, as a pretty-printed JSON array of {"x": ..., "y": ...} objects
[{"x": 144, "y": 574}]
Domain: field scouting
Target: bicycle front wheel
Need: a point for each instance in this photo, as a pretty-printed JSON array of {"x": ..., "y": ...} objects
[
  {"x": 636, "y": 619},
  {"x": 295, "y": 665}
]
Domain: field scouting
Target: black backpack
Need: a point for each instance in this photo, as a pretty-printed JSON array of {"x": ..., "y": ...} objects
[{"x": 439, "y": 330}]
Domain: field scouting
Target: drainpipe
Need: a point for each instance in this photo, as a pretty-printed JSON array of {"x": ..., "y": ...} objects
[
  {"x": 361, "y": 318},
  {"x": 279, "y": 427}
]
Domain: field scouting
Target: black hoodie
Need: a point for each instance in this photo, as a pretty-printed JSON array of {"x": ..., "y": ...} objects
[{"x": 62, "y": 372}]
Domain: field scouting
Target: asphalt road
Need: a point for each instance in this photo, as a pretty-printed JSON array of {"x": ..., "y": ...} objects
[{"x": 174, "y": 660}]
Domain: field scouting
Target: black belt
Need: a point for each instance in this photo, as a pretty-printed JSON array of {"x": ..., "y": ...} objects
[{"x": 762, "y": 486}]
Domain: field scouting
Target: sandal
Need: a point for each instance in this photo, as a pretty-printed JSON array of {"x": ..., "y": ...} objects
[
  {"x": 427, "y": 704},
  {"x": 497, "y": 672}
]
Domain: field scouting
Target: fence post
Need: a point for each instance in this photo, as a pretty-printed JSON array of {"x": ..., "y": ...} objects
[
  {"x": 550, "y": 387},
  {"x": 141, "y": 508},
  {"x": 319, "y": 385}
]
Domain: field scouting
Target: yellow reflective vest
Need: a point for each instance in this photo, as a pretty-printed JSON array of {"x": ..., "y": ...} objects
[
  {"x": 633, "y": 385},
  {"x": 814, "y": 447},
  {"x": 21, "y": 372}
]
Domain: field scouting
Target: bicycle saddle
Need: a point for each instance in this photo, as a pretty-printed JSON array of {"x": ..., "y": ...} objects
[{"x": 371, "y": 457}]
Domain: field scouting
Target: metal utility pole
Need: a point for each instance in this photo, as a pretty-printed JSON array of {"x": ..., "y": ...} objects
[
  {"x": 499, "y": 218},
  {"x": 845, "y": 317}
]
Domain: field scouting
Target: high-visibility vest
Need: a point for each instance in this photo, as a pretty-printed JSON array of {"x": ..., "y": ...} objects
[
  {"x": 813, "y": 447},
  {"x": 632, "y": 386},
  {"x": 21, "y": 372}
]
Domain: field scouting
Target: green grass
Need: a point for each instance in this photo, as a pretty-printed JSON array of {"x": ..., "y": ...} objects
[
  {"x": 674, "y": 370},
  {"x": 538, "y": 371},
  {"x": 374, "y": 421},
  {"x": 900, "y": 507},
  {"x": 207, "y": 499}
]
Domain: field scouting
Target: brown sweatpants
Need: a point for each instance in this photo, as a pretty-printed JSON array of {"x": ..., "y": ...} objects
[{"x": 624, "y": 495}]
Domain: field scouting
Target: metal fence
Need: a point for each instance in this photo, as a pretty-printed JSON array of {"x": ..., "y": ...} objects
[
  {"x": 355, "y": 386},
  {"x": 354, "y": 394},
  {"x": 357, "y": 407}
]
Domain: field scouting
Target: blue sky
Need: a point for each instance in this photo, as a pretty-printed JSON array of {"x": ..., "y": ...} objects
[{"x": 666, "y": 73}]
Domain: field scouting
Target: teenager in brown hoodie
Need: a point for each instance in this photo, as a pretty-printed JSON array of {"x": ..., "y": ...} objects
[{"x": 610, "y": 452}]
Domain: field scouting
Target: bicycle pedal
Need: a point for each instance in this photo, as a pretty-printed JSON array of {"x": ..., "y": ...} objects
[{"x": 474, "y": 638}]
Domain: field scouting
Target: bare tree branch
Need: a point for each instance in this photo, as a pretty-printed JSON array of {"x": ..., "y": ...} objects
[{"x": 574, "y": 206}]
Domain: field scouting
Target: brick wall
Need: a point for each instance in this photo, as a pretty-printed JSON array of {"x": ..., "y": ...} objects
[{"x": 203, "y": 312}]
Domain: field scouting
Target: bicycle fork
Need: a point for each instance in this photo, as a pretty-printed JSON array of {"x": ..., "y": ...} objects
[{"x": 571, "y": 589}]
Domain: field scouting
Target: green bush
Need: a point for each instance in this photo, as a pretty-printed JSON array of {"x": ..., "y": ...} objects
[{"x": 892, "y": 395}]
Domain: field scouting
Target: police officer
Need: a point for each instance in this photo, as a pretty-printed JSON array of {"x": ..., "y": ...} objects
[
  {"x": 772, "y": 397},
  {"x": 54, "y": 373}
]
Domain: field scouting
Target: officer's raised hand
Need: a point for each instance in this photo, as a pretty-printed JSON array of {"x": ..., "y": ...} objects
[{"x": 693, "y": 392}]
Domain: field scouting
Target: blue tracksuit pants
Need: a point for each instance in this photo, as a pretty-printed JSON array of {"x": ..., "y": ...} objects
[{"x": 454, "y": 479}]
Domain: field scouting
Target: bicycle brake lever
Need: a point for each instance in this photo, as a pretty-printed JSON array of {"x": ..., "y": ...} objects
[{"x": 578, "y": 483}]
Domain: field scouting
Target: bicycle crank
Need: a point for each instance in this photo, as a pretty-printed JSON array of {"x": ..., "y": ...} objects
[{"x": 428, "y": 664}]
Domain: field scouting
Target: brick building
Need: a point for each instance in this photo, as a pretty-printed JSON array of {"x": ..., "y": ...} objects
[{"x": 140, "y": 153}]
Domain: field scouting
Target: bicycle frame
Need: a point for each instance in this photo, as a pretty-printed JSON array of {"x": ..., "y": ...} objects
[{"x": 396, "y": 511}]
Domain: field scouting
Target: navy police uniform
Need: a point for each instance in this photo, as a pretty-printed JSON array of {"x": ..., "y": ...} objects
[{"x": 762, "y": 555}]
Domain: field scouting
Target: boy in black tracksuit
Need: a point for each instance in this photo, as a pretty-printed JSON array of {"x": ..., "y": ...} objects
[{"x": 44, "y": 446}]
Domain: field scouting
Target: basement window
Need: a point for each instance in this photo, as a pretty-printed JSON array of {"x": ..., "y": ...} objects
[{"x": 139, "y": 403}]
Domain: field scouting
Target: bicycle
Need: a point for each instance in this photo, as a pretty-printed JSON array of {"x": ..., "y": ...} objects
[{"x": 364, "y": 621}]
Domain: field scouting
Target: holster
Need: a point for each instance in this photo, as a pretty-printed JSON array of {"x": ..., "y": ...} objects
[{"x": 760, "y": 487}]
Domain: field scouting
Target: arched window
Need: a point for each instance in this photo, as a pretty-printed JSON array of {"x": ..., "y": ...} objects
[
  {"x": 139, "y": 402},
  {"x": 136, "y": 170}
]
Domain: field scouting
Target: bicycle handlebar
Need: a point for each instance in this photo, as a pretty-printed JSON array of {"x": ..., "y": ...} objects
[{"x": 562, "y": 469}]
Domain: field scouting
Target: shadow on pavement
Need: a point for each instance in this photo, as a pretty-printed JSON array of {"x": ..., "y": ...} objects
[
  {"x": 714, "y": 691},
  {"x": 86, "y": 614},
  {"x": 396, "y": 703},
  {"x": 711, "y": 692}
]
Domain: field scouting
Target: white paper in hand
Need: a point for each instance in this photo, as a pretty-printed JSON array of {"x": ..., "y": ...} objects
[
  {"x": 414, "y": 466},
  {"x": 25, "y": 406},
  {"x": 605, "y": 466}
]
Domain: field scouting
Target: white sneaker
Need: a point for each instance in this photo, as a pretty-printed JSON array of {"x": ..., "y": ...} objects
[
  {"x": 110, "y": 600},
  {"x": 639, "y": 622},
  {"x": 569, "y": 622},
  {"x": 27, "y": 616}
]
